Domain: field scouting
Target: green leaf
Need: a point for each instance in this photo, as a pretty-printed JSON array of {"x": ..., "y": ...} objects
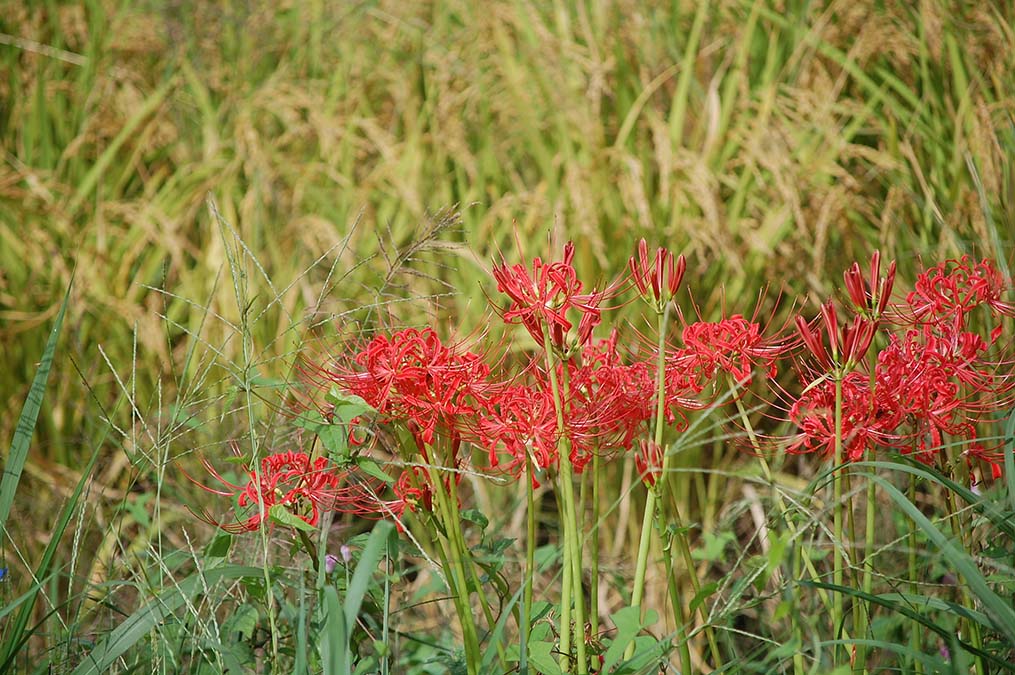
[
  {"x": 996, "y": 607},
  {"x": 476, "y": 516},
  {"x": 219, "y": 546},
  {"x": 242, "y": 623},
  {"x": 347, "y": 406},
  {"x": 283, "y": 516},
  {"x": 335, "y": 636},
  {"x": 335, "y": 439},
  {"x": 706, "y": 591},
  {"x": 629, "y": 623},
  {"x": 714, "y": 546},
  {"x": 372, "y": 468},
  {"x": 542, "y": 658},
  {"x": 370, "y": 559}
]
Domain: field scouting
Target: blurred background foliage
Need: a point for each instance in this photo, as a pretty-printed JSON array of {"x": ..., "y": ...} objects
[{"x": 363, "y": 153}]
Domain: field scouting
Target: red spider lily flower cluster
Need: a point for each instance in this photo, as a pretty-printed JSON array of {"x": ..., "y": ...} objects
[
  {"x": 521, "y": 423},
  {"x": 548, "y": 297},
  {"x": 413, "y": 490},
  {"x": 732, "y": 346},
  {"x": 933, "y": 380},
  {"x": 606, "y": 404},
  {"x": 412, "y": 376},
  {"x": 866, "y": 423},
  {"x": 657, "y": 279},
  {"x": 949, "y": 291},
  {"x": 304, "y": 486}
]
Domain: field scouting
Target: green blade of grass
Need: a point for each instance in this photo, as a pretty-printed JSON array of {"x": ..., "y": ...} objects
[
  {"x": 339, "y": 620},
  {"x": 335, "y": 636},
  {"x": 142, "y": 622},
  {"x": 18, "y": 453},
  {"x": 889, "y": 602},
  {"x": 375, "y": 549},
  {"x": 105, "y": 160},
  {"x": 1000, "y": 612}
]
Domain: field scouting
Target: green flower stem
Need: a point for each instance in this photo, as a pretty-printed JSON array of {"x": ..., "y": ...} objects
[
  {"x": 465, "y": 555},
  {"x": 685, "y": 553},
  {"x": 651, "y": 499},
  {"x": 868, "y": 568},
  {"x": 680, "y": 618},
  {"x": 863, "y": 615},
  {"x": 838, "y": 552},
  {"x": 572, "y": 586},
  {"x": 469, "y": 637},
  {"x": 530, "y": 563},
  {"x": 457, "y": 580},
  {"x": 594, "y": 546},
  {"x": 915, "y": 637}
]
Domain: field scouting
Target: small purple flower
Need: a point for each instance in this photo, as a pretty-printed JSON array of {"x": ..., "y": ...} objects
[
  {"x": 329, "y": 563},
  {"x": 945, "y": 654},
  {"x": 346, "y": 553}
]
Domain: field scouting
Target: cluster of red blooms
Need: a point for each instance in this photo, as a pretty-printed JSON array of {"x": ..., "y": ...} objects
[
  {"x": 933, "y": 379},
  {"x": 304, "y": 486},
  {"x": 930, "y": 380}
]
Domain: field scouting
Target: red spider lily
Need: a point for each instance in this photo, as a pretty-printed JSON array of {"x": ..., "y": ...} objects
[
  {"x": 605, "y": 404},
  {"x": 608, "y": 402},
  {"x": 520, "y": 421},
  {"x": 657, "y": 280},
  {"x": 994, "y": 458},
  {"x": 941, "y": 384},
  {"x": 412, "y": 377},
  {"x": 649, "y": 461},
  {"x": 866, "y": 421},
  {"x": 413, "y": 490},
  {"x": 947, "y": 292},
  {"x": 546, "y": 295},
  {"x": 846, "y": 347},
  {"x": 870, "y": 298},
  {"x": 733, "y": 345},
  {"x": 303, "y": 486}
]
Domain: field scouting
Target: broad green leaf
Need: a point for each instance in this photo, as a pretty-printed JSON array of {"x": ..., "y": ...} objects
[
  {"x": 629, "y": 623},
  {"x": 347, "y": 406},
  {"x": 542, "y": 658},
  {"x": 335, "y": 636},
  {"x": 241, "y": 623},
  {"x": 219, "y": 546},
  {"x": 372, "y": 468},
  {"x": 476, "y": 516},
  {"x": 283, "y": 516}
]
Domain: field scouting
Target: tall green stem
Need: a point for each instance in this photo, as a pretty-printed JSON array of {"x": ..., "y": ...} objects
[
  {"x": 651, "y": 502},
  {"x": 838, "y": 551},
  {"x": 530, "y": 564},
  {"x": 457, "y": 579},
  {"x": 594, "y": 545},
  {"x": 915, "y": 638},
  {"x": 572, "y": 578},
  {"x": 465, "y": 555}
]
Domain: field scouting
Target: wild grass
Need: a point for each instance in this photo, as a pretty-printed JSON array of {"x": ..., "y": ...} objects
[{"x": 367, "y": 162}]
